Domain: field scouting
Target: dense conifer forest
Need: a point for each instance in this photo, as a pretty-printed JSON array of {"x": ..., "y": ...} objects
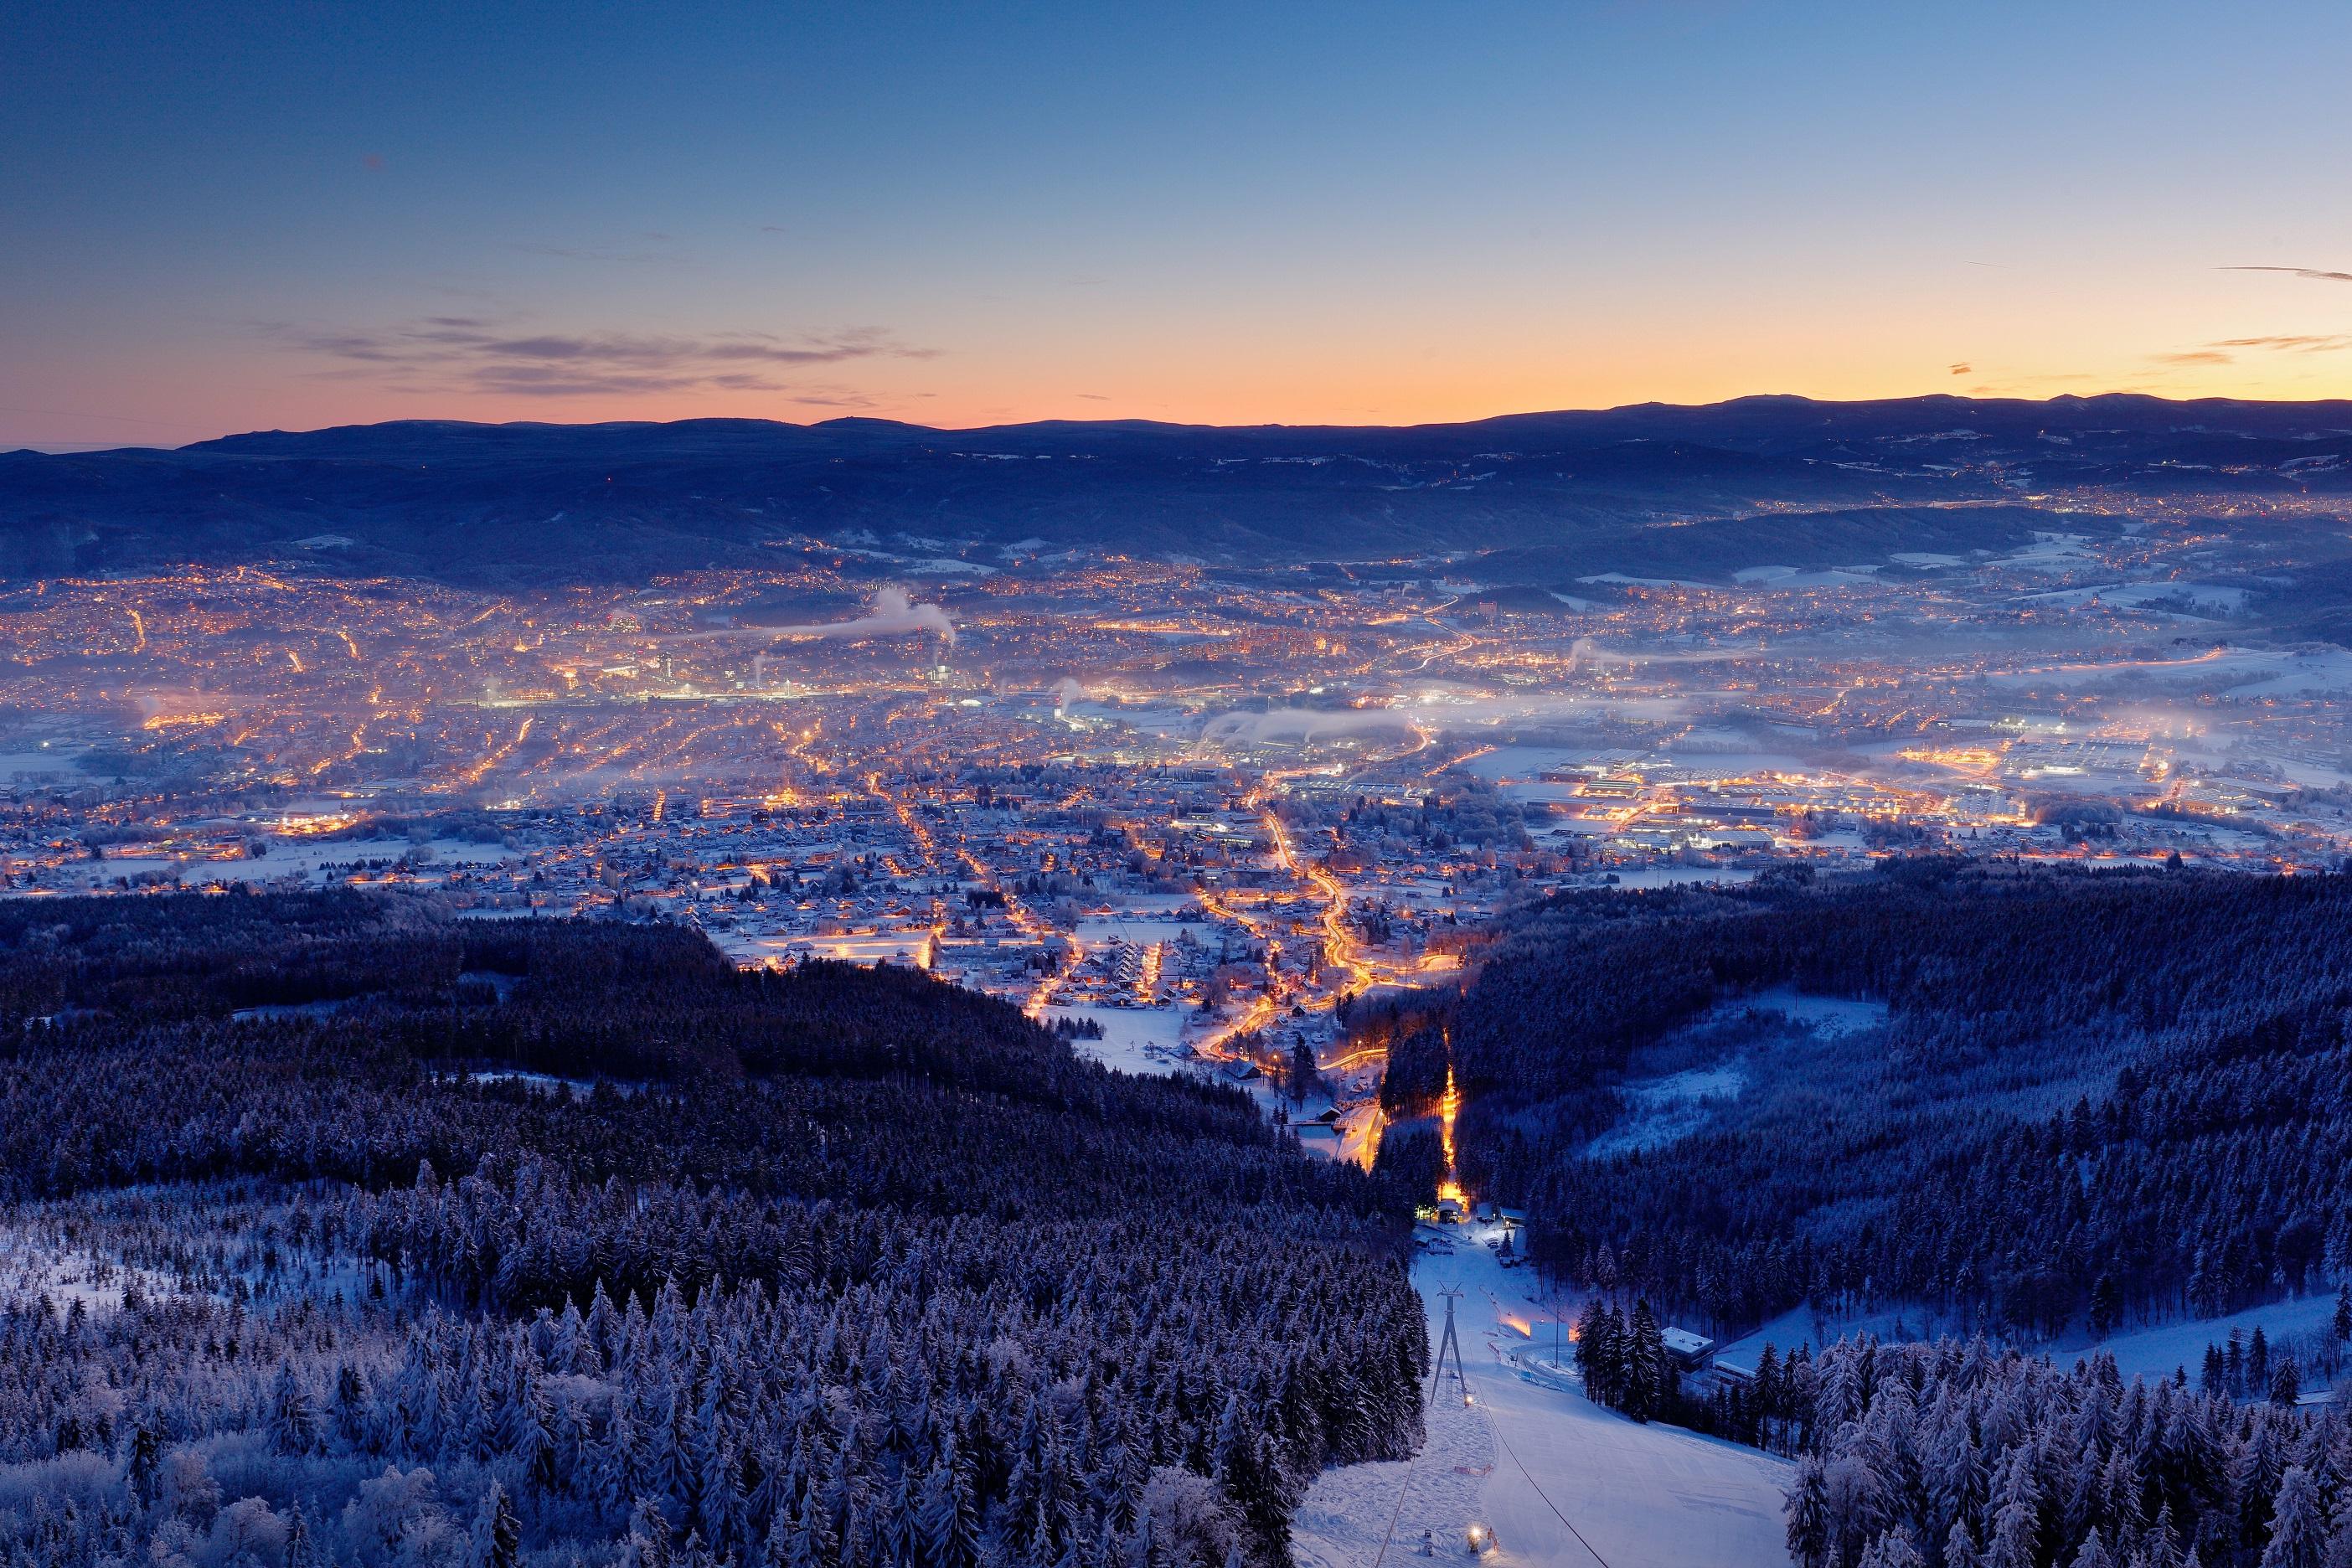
[
  {"x": 2090, "y": 1102},
  {"x": 1954, "y": 1456},
  {"x": 338, "y": 1232},
  {"x": 2127, "y": 1088}
]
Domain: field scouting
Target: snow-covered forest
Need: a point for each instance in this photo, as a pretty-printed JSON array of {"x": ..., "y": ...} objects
[
  {"x": 334, "y": 1233},
  {"x": 2093, "y": 1103},
  {"x": 1950, "y": 1454},
  {"x": 2121, "y": 1094}
]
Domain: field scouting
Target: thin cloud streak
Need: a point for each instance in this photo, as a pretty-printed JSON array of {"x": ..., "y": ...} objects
[
  {"x": 2317, "y": 274},
  {"x": 483, "y": 354},
  {"x": 2290, "y": 343}
]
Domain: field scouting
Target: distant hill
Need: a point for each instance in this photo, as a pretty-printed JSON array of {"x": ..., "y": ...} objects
[{"x": 1591, "y": 490}]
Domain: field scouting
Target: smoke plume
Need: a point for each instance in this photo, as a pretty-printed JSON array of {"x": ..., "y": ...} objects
[{"x": 893, "y": 613}]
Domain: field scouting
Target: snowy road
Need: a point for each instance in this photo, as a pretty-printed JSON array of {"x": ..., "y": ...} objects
[{"x": 1558, "y": 1479}]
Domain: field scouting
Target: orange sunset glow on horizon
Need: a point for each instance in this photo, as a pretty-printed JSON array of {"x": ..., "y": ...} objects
[{"x": 1086, "y": 217}]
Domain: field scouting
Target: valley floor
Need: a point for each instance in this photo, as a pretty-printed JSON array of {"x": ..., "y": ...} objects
[{"x": 1555, "y": 1479}]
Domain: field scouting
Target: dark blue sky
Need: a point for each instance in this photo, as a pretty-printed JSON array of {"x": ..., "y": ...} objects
[{"x": 231, "y": 217}]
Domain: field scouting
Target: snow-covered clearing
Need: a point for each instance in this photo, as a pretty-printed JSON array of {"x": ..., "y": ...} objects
[
  {"x": 1802, "y": 1325},
  {"x": 545, "y": 1083},
  {"x": 1829, "y": 1016},
  {"x": 1622, "y": 580},
  {"x": 1134, "y": 1040},
  {"x": 1696, "y": 1073},
  {"x": 1557, "y": 1478},
  {"x": 2158, "y": 1352},
  {"x": 2053, "y": 552},
  {"x": 35, "y": 1267},
  {"x": 2151, "y": 1352},
  {"x": 1663, "y": 1110},
  {"x": 310, "y": 861},
  {"x": 1678, "y": 876},
  {"x": 1794, "y": 577},
  {"x": 2144, "y": 595},
  {"x": 2232, "y": 672}
]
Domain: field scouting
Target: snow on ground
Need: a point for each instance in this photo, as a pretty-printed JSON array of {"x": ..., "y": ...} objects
[
  {"x": 1791, "y": 577},
  {"x": 1539, "y": 1464},
  {"x": 2150, "y": 1352},
  {"x": 38, "y": 762},
  {"x": 1722, "y": 754},
  {"x": 2310, "y": 672},
  {"x": 1830, "y": 1017},
  {"x": 2204, "y": 596},
  {"x": 2235, "y": 672},
  {"x": 1135, "y": 1039},
  {"x": 1663, "y": 1110},
  {"x": 1141, "y": 923},
  {"x": 1665, "y": 1107},
  {"x": 1802, "y": 1325},
  {"x": 2157, "y": 1351},
  {"x": 1510, "y": 764},
  {"x": 1678, "y": 876},
  {"x": 1620, "y": 579},
  {"x": 306, "y": 859},
  {"x": 34, "y": 1267},
  {"x": 2053, "y": 552},
  {"x": 1349, "y": 1512}
]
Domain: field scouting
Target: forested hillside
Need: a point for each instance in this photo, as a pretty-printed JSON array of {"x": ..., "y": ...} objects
[
  {"x": 1554, "y": 495},
  {"x": 336, "y": 1233},
  {"x": 2136, "y": 1080},
  {"x": 2087, "y": 1100}
]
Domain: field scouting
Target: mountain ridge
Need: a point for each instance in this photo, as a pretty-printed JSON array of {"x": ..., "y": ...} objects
[{"x": 543, "y": 502}]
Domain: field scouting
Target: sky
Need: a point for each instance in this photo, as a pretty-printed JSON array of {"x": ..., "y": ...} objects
[{"x": 240, "y": 216}]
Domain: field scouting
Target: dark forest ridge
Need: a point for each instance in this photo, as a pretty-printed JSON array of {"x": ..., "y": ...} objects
[
  {"x": 1758, "y": 423},
  {"x": 1783, "y": 479}
]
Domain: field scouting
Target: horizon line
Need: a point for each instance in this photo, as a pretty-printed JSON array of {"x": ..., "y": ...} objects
[{"x": 93, "y": 448}]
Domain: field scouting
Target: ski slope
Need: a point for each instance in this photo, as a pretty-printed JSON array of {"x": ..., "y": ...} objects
[{"x": 1557, "y": 1478}]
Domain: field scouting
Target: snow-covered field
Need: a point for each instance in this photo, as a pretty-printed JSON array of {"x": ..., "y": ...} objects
[
  {"x": 35, "y": 1266},
  {"x": 1677, "y": 876},
  {"x": 2158, "y": 1352},
  {"x": 1829, "y": 1016},
  {"x": 304, "y": 859},
  {"x": 2207, "y": 596},
  {"x": 1145, "y": 919},
  {"x": 1671, "y": 1103},
  {"x": 2150, "y": 1352},
  {"x": 1663, "y": 1110},
  {"x": 2233, "y": 672},
  {"x": 37, "y": 761},
  {"x": 1555, "y": 1479},
  {"x": 1134, "y": 1040},
  {"x": 1771, "y": 577}
]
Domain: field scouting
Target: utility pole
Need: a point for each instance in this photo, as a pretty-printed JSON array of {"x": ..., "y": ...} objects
[{"x": 1452, "y": 1293}]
